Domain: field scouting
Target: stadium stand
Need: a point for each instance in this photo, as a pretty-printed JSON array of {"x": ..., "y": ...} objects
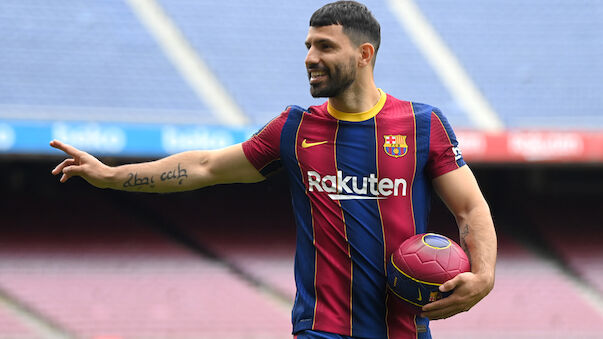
[
  {"x": 98, "y": 60},
  {"x": 265, "y": 76},
  {"x": 94, "y": 61},
  {"x": 13, "y": 328},
  {"x": 260, "y": 245},
  {"x": 581, "y": 251},
  {"x": 97, "y": 63},
  {"x": 536, "y": 62},
  {"x": 531, "y": 300},
  {"x": 92, "y": 269},
  {"x": 265, "y": 255}
]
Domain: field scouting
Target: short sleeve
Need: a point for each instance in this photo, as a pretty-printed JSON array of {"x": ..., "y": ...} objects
[
  {"x": 263, "y": 148},
  {"x": 444, "y": 152}
]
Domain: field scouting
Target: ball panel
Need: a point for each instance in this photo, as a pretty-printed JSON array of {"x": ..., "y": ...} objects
[
  {"x": 431, "y": 272},
  {"x": 436, "y": 240},
  {"x": 412, "y": 245}
]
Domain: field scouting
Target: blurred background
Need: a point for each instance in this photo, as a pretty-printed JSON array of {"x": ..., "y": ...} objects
[{"x": 134, "y": 80}]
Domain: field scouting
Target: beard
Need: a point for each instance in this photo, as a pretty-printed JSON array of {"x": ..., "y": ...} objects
[{"x": 338, "y": 80}]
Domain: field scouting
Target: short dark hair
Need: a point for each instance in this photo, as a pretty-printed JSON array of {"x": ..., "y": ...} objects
[{"x": 358, "y": 22}]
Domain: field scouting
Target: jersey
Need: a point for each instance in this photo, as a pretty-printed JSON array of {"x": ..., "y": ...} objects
[{"x": 360, "y": 185}]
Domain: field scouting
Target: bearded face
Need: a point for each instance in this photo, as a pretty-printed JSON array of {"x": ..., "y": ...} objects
[
  {"x": 326, "y": 82},
  {"x": 331, "y": 61}
]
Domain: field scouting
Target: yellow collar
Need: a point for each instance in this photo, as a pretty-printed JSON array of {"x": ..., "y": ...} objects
[{"x": 356, "y": 117}]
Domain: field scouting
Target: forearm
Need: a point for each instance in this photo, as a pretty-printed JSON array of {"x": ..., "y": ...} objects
[
  {"x": 179, "y": 172},
  {"x": 478, "y": 239},
  {"x": 460, "y": 192}
]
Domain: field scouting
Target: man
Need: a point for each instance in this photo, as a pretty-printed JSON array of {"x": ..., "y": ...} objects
[{"x": 361, "y": 167}]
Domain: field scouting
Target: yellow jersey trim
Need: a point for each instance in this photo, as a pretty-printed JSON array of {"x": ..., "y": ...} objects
[{"x": 357, "y": 117}]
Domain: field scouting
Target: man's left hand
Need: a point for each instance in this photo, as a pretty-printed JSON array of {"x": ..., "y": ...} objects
[{"x": 469, "y": 288}]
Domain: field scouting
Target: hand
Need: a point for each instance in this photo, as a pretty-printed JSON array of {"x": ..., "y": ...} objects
[
  {"x": 469, "y": 288},
  {"x": 80, "y": 164}
]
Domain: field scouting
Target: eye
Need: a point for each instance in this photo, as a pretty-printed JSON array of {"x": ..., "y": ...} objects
[{"x": 327, "y": 46}]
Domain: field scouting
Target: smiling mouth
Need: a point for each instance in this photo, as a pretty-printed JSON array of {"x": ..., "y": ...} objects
[{"x": 317, "y": 76}]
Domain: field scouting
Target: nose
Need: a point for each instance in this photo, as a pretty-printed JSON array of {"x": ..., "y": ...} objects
[{"x": 312, "y": 57}]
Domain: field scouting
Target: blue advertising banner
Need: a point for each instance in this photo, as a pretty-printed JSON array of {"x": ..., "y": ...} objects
[{"x": 116, "y": 139}]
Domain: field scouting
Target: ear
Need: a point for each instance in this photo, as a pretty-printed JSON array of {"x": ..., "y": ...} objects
[{"x": 367, "y": 53}]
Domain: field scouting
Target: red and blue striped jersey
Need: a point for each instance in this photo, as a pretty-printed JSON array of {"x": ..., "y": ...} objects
[{"x": 360, "y": 185}]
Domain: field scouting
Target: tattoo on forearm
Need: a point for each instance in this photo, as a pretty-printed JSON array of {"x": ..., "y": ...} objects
[
  {"x": 134, "y": 180},
  {"x": 178, "y": 174},
  {"x": 464, "y": 234}
]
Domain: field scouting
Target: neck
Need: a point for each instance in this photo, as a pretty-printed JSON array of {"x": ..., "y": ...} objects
[{"x": 356, "y": 99}]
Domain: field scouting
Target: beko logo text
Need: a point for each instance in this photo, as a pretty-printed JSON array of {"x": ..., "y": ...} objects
[{"x": 342, "y": 187}]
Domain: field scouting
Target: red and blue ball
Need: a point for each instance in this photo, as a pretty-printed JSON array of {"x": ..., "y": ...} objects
[{"x": 420, "y": 265}]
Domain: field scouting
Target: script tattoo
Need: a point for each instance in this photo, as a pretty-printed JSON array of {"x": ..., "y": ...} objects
[
  {"x": 178, "y": 174},
  {"x": 134, "y": 180},
  {"x": 464, "y": 234}
]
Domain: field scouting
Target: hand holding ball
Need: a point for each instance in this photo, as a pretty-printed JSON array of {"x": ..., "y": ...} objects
[{"x": 420, "y": 265}]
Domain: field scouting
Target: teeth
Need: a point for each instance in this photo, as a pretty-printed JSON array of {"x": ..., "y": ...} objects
[{"x": 317, "y": 74}]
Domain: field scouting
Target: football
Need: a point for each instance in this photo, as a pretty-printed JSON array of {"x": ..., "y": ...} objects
[{"x": 420, "y": 265}]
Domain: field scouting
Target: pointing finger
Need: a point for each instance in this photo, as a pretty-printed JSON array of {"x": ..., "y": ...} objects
[{"x": 74, "y": 152}]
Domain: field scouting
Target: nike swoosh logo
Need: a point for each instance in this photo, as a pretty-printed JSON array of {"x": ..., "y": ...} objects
[
  {"x": 306, "y": 144},
  {"x": 420, "y": 297}
]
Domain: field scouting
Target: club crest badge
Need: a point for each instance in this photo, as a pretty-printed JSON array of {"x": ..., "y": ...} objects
[{"x": 395, "y": 145}]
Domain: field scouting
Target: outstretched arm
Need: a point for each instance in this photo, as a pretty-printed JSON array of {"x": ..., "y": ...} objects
[
  {"x": 179, "y": 172},
  {"x": 460, "y": 192}
]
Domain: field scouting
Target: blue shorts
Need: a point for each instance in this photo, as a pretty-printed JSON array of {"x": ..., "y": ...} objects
[{"x": 309, "y": 334}]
